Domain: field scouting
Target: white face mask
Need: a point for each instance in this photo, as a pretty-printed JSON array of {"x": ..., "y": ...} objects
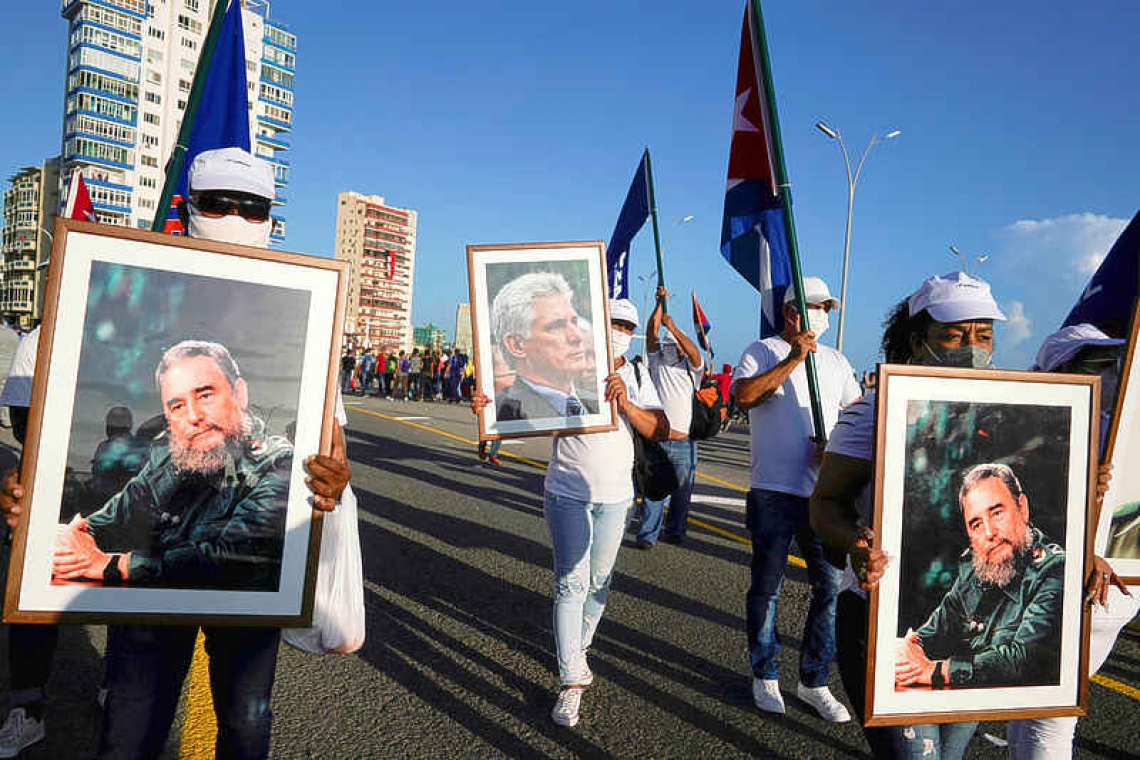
[
  {"x": 818, "y": 321},
  {"x": 231, "y": 228},
  {"x": 620, "y": 341}
]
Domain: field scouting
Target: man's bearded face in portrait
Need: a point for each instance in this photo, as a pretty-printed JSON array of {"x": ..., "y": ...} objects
[{"x": 205, "y": 414}]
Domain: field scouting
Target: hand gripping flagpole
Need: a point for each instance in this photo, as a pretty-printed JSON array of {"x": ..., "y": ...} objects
[
  {"x": 760, "y": 42},
  {"x": 178, "y": 156},
  {"x": 656, "y": 233}
]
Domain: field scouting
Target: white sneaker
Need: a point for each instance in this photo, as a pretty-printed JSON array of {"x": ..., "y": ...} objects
[
  {"x": 586, "y": 676},
  {"x": 766, "y": 695},
  {"x": 828, "y": 707},
  {"x": 565, "y": 711},
  {"x": 19, "y": 731}
]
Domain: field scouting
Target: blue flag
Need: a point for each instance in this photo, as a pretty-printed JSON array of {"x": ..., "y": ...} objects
[
  {"x": 1110, "y": 297},
  {"x": 222, "y": 117},
  {"x": 753, "y": 237},
  {"x": 633, "y": 215}
]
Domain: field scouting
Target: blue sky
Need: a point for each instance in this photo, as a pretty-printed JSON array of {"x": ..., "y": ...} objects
[{"x": 520, "y": 121}]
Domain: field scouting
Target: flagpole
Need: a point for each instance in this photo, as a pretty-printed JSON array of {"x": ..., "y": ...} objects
[
  {"x": 656, "y": 233},
  {"x": 785, "y": 191},
  {"x": 178, "y": 156}
]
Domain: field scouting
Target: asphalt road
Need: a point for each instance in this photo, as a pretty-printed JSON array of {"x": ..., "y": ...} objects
[{"x": 458, "y": 661}]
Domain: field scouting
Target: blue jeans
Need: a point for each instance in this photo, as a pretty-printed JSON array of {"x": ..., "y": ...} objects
[
  {"x": 146, "y": 665},
  {"x": 921, "y": 741},
  {"x": 586, "y": 537},
  {"x": 683, "y": 455},
  {"x": 773, "y": 519}
]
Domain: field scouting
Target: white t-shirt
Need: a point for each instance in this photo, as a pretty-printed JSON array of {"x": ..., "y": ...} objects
[
  {"x": 18, "y": 387},
  {"x": 783, "y": 455},
  {"x": 598, "y": 467},
  {"x": 854, "y": 436},
  {"x": 675, "y": 383}
]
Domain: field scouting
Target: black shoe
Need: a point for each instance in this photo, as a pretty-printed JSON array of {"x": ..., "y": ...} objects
[
  {"x": 641, "y": 543},
  {"x": 672, "y": 538}
]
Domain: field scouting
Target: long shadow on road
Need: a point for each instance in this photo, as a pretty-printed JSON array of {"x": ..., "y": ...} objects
[{"x": 508, "y": 612}]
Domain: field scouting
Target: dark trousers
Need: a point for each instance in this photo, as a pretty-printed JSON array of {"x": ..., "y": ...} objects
[
  {"x": 31, "y": 649},
  {"x": 146, "y": 666}
]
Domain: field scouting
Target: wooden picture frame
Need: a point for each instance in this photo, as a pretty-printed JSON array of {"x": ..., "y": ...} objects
[
  {"x": 979, "y": 575},
  {"x": 116, "y": 300},
  {"x": 1118, "y": 525},
  {"x": 571, "y": 369}
]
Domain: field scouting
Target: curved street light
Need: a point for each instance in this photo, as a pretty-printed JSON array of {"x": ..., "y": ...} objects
[{"x": 852, "y": 180}]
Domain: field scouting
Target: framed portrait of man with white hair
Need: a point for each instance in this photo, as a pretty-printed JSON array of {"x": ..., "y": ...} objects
[
  {"x": 984, "y": 499},
  {"x": 540, "y": 324},
  {"x": 175, "y": 378}
]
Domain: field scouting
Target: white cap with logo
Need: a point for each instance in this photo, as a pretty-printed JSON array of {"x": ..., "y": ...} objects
[
  {"x": 955, "y": 297},
  {"x": 231, "y": 169},
  {"x": 1064, "y": 344},
  {"x": 623, "y": 309},
  {"x": 815, "y": 292}
]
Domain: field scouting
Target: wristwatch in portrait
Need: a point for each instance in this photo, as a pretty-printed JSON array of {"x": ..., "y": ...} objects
[{"x": 111, "y": 573}]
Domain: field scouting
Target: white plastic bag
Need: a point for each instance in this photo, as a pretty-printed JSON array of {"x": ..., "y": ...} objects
[{"x": 338, "y": 603}]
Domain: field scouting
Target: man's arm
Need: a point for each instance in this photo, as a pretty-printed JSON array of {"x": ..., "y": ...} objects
[
  {"x": 654, "y": 325},
  {"x": 834, "y": 517},
  {"x": 651, "y": 423},
  {"x": 753, "y": 390},
  {"x": 688, "y": 346}
]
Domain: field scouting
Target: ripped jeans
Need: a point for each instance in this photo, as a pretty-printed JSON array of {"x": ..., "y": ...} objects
[
  {"x": 146, "y": 665},
  {"x": 586, "y": 537},
  {"x": 921, "y": 741}
]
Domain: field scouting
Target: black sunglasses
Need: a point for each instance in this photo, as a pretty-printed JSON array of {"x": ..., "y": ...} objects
[{"x": 219, "y": 204}]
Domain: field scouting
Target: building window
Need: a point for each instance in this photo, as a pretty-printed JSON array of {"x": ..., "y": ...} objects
[
  {"x": 151, "y": 118},
  {"x": 153, "y": 97},
  {"x": 150, "y": 161},
  {"x": 189, "y": 43},
  {"x": 191, "y": 5}
]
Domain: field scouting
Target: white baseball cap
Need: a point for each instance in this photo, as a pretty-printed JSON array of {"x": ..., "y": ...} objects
[
  {"x": 623, "y": 309},
  {"x": 1067, "y": 342},
  {"x": 232, "y": 169},
  {"x": 815, "y": 292},
  {"x": 955, "y": 297}
]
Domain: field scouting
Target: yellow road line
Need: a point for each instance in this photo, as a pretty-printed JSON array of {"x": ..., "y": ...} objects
[
  {"x": 1105, "y": 681},
  {"x": 199, "y": 727},
  {"x": 792, "y": 559},
  {"x": 1127, "y": 690}
]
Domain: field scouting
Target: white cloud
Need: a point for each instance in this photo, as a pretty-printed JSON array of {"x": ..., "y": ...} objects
[
  {"x": 1075, "y": 242},
  {"x": 1017, "y": 326}
]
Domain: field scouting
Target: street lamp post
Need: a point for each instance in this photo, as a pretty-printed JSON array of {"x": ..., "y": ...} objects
[{"x": 852, "y": 180}]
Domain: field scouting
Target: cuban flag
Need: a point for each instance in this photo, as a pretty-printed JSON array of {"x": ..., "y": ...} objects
[
  {"x": 632, "y": 218},
  {"x": 753, "y": 236},
  {"x": 222, "y": 117},
  {"x": 701, "y": 325},
  {"x": 79, "y": 204},
  {"x": 1109, "y": 299}
]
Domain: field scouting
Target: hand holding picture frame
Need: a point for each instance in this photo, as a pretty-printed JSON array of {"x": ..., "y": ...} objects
[
  {"x": 540, "y": 320},
  {"x": 984, "y": 496},
  {"x": 175, "y": 378}
]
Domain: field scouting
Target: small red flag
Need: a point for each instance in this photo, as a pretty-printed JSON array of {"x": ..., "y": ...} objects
[{"x": 79, "y": 204}]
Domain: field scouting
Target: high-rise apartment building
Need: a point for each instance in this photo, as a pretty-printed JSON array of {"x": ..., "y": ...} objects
[
  {"x": 463, "y": 328},
  {"x": 30, "y": 203},
  {"x": 429, "y": 337},
  {"x": 380, "y": 242},
  {"x": 130, "y": 66}
]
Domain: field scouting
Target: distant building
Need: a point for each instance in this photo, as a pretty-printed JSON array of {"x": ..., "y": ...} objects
[
  {"x": 30, "y": 203},
  {"x": 463, "y": 328},
  {"x": 130, "y": 66},
  {"x": 429, "y": 337},
  {"x": 380, "y": 242}
]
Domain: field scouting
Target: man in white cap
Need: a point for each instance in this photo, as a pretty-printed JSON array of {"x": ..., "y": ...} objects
[
  {"x": 587, "y": 500},
  {"x": 771, "y": 382},
  {"x": 230, "y": 197},
  {"x": 675, "y": 365}
]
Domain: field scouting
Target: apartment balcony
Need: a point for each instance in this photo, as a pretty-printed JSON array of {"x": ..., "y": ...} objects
[
  {"x": 19, "y": 265},
  {"x": 274, "y": 142}
]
